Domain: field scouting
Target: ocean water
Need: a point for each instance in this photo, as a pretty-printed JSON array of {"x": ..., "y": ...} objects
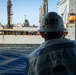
[{"x": 13, "y": 58}]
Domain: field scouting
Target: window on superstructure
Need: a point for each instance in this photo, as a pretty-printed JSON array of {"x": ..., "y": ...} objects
[
  {"x": 72, "y": 32},
  {"x": 70, "y": 26},
  {"x": 72, "y": 22},
  {"x": 71, "y": 9},
  {"x": 71, "y": 4}
]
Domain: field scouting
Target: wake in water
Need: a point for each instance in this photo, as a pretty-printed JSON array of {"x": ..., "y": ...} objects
[{"x": 13, "y": 59}]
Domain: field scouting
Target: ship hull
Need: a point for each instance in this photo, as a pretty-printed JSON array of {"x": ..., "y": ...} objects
[{"x": 21, "y": 39}]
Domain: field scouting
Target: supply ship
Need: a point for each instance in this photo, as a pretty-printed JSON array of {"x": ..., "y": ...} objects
[
  {"x": 67, "y": 10},
  {"x": 21, "y": 34}
]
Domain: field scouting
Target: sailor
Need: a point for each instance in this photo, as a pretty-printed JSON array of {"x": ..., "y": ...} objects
[{"x": 55, "y": 56}]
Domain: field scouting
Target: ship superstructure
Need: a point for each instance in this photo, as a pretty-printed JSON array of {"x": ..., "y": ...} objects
[
  {"x": 67, "y": 10},
  {"x": 26, "y": 22}
]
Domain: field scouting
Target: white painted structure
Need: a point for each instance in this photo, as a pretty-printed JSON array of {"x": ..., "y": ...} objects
[{"x": 66, "y": 8}]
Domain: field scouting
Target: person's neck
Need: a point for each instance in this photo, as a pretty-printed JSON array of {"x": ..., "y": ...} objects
[{"x": 51, "y": 38}]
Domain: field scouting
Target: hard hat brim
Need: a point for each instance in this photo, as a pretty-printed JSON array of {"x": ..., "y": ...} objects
[{"x": 52, "y": 30}]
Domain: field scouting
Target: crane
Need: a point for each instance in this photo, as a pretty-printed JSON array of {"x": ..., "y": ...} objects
[
  {"x": 43, "y": 10},
  {"x": 9, "y": 13}
]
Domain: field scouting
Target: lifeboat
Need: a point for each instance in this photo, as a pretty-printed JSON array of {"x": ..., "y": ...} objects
[{"x": 72, "y": 18}]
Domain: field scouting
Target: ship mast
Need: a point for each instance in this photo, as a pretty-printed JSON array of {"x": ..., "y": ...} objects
[
  {"x": 26, "y": 22},
  {"x": 9, "y": 13},
  {"x": 43, "y": 10}
]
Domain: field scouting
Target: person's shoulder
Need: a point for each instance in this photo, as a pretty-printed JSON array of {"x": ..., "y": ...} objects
[
  {"x": 74, "y": 41},
  {"x": 35, "y": 52}
]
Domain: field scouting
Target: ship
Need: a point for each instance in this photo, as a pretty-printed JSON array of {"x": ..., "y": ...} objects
[
  {"x": 67, "y": 10},
  {"x": 21, "y": 34}
]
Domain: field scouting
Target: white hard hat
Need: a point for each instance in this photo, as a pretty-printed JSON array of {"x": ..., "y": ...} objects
[{"x": 52, "y": 22}]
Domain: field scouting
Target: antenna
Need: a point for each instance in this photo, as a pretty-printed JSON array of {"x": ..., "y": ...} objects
[{"x": 25, "y": 17}]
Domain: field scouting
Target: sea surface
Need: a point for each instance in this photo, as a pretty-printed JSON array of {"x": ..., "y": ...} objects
[{"x": 13, "y": 58}]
